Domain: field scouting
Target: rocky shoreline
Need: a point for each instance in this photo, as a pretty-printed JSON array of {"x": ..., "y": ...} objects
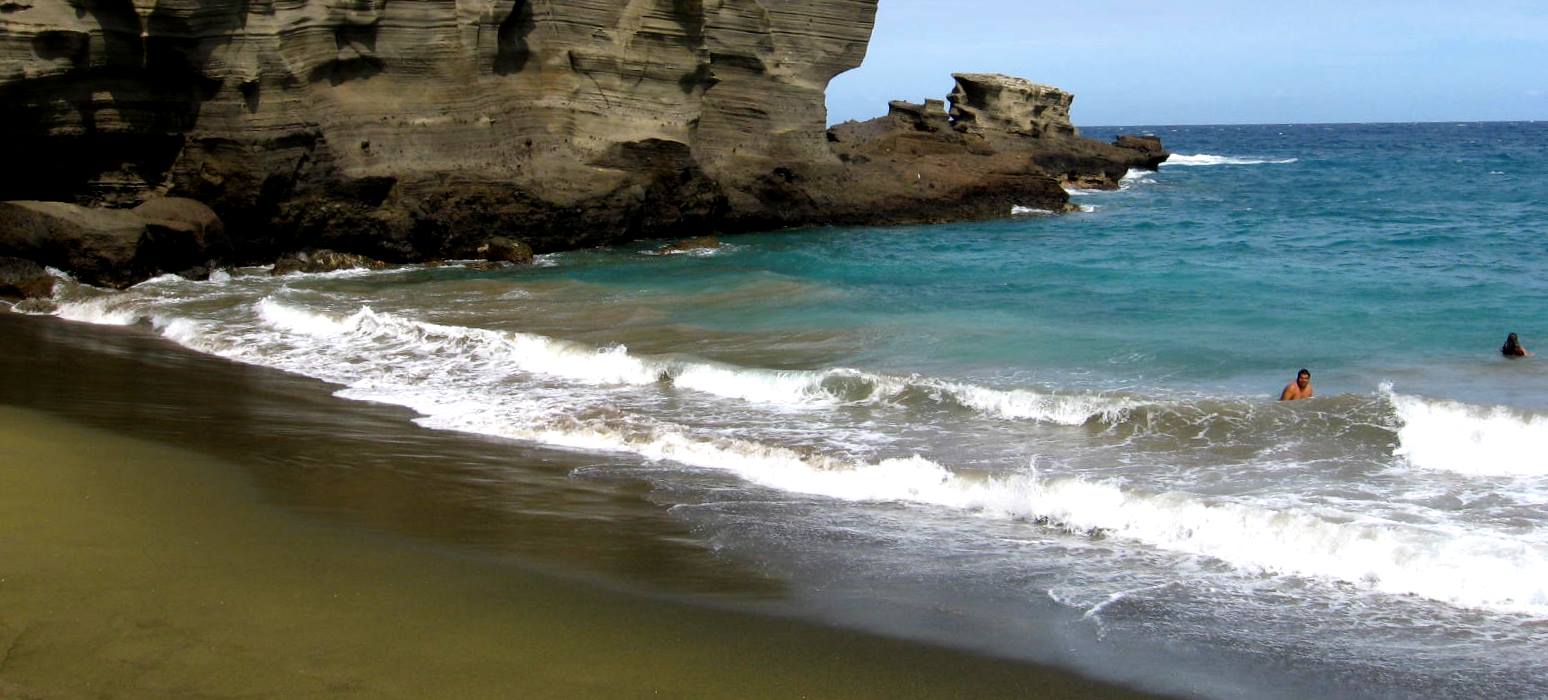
[{"x": 416, "y": 131}]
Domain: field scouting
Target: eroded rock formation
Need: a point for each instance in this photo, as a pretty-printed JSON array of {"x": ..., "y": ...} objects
[
  {"x": 419, "y": 129},
  {"x": 1003, "y": 142}
]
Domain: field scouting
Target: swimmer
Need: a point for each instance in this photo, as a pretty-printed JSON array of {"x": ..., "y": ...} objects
[
  {"x": 1301, "y": 388},
  {"x": 1512, "y": 347}
]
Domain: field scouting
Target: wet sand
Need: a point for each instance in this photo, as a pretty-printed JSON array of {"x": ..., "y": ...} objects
[{"x": 176, "y": 526}]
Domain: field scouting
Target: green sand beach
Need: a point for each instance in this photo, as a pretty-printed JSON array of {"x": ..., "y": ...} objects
[{"x": 171, "y": 567}]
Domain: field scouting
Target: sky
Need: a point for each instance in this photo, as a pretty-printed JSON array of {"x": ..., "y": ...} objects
[{"x": 1155, "y": 62}]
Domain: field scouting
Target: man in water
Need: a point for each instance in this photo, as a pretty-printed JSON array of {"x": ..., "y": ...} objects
[{"x": 1299, "y": 389}]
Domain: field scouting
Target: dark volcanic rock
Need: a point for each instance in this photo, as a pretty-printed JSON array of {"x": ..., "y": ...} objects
[
  {"x": 98, "y": 246},
  {"x": 324, "y": 261},
  {"x": 688, "y": 245},
  {"x": 24, "y": 279},
  {"x": 502, "y": 249},
  {"x": 181, "y": 235},
  {"x": 113, "y": 247}
]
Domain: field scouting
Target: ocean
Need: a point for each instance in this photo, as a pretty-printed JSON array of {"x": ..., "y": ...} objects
[{"x": 1047, "y": 437}]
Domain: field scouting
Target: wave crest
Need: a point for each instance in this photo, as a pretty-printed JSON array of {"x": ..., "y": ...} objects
[
  {"x": 1469, "y": 439},
  {"x": 1201, "y": 159}
]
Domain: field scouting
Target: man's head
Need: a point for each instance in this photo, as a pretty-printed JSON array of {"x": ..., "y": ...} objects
[{"x": 1302, "y": 378}]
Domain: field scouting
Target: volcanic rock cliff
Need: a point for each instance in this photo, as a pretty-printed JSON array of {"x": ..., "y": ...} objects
[{"x": 419, "y": 129}]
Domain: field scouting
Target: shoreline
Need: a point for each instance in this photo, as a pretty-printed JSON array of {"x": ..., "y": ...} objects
[{"x": 180, "y": 567}]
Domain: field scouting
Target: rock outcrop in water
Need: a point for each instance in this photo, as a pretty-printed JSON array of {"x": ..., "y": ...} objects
[
  {"x": 114, "y": 247},
  {"x": 419, "y": 129}
]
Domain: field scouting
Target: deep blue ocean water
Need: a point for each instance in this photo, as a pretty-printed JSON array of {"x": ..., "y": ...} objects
[{"x": 1045, "y": 436}]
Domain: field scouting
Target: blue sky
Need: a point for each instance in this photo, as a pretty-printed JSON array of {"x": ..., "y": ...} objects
[{"x": 1132, "y": 62}]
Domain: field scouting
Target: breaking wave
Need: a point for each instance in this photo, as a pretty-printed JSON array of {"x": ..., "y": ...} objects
[
  {"x": 460, "y": 378},
  {"x": 1469, "y": 439},
  {"x": 1207, "y": 159},
  {"x": 615, "y": 365}
]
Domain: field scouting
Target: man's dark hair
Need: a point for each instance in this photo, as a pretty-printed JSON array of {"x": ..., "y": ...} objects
[{"x": 1304, "y": 371}]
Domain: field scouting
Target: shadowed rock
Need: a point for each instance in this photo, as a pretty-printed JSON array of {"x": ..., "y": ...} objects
[
  {"x": 24, "y": 279},
  {"x": 113, "y": 247},
  {"x": 689, "y": 245},
  {"x": 324, "y": 261},
  {"x": 502, "y": 249},
  {"x": 98, "y": 246}
]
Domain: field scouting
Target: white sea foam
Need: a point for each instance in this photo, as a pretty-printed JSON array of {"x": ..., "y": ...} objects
[
  {"x": 1478, "y": 569},
  {"x": 523, "y": 351},
  {"x": 183, "y": 331},
  {"x": 345, "y": 273},
  {"x": 1474, "y": 568},
  {"x": 104, "y": 310},
  {"x": 615, "y": 365},
  {"x": 161, "y": 280},
  {"x": 1208, "y": 159},
  {"x": 1019, "y": 210},
  {"x": 1469, "y": 439},
  {"x": 763, "y": 386},
  {"x": 443, "y": 373},
  {"x": 1075, "y": 409}
]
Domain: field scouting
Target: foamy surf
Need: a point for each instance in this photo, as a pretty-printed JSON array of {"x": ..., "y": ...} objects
[
  {"x": 524, "y": 351},
  {"x": 104, "y": 310},
  {"x": 1469, "y": 439},
  {"x": 373, "y": 332},
  {"x": 1476, "y": 569},
  {"x": 1203, "y": 159}
]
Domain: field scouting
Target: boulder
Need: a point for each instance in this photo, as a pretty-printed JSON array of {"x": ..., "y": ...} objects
[
  {"x": 98, "y": 246},
  {"x": 24, "y": 279},
  {"x": 689, "y": 245},
  {"x": 181, "y": 235},
  {"x": 502, "y": 249},
  {"x": 189, "y": 214},
  {"x": 324, "y": 261}
]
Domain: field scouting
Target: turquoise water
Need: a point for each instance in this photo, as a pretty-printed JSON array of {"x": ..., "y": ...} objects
[
  {"x": 1049, "y": 437},
  {"x": 1364, "y": 252}
]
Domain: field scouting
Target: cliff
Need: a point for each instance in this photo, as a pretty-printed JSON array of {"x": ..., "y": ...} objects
[{"x": 419, "y": 129}]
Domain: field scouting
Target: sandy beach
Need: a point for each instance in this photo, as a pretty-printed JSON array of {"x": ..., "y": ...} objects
[{"x": 143, "y": 560}]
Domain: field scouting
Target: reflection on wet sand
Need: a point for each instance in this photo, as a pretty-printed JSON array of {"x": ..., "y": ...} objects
[{"x": 199, "y": 528}]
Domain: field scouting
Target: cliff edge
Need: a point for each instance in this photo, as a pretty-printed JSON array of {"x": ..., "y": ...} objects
[{"x": 420, "y": 129}]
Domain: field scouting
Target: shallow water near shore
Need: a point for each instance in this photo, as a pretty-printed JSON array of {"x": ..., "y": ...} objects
[
  {"x": 1047, "y": 438},
  {"x": 245, "y": 545}
]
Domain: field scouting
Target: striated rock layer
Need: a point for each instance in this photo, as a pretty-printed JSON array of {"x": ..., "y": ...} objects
[{"x": 418, "y": 129}]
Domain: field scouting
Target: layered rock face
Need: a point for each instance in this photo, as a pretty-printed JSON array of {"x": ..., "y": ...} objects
[
  {"x": 1003, "y": 142},
  {"x": 250, "y": 104},
  {"x": 418, "y": 129},
  {"x": 986, "y": 103}
]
